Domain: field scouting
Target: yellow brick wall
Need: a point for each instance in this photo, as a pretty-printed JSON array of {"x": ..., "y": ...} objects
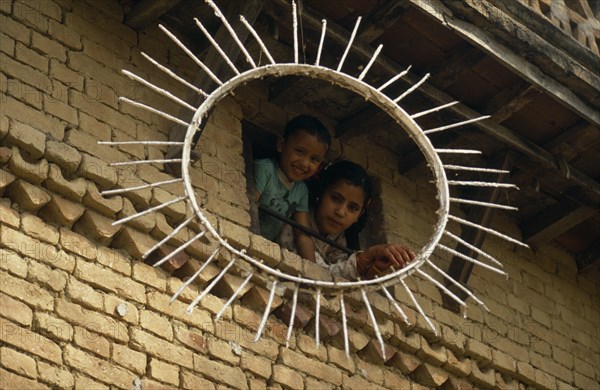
[{"x": 79, "y": 308}]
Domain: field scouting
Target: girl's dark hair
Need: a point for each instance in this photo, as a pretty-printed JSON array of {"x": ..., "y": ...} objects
[
  {"x": 311, "y": 125},
  {"x": 354, "y": 174}
]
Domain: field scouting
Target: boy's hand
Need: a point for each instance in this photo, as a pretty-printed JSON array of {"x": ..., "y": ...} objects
[{"x": 379, "y": 259}]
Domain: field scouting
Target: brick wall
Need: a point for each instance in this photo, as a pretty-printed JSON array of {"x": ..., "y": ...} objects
[{"x": 80, "y": 308}]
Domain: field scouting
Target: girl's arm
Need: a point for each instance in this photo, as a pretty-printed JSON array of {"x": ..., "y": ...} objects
[{"x": 304, "y": 244}]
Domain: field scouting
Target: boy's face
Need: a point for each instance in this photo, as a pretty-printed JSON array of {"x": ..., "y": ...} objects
[
  {"x": 300, "y": 155},
  {"x": 340, "y": 206}
]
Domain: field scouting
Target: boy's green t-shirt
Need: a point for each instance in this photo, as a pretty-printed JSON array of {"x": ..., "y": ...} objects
[{"x": 277, "y": 194}]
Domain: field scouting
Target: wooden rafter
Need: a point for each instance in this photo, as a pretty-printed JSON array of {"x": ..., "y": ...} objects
[
  {"x": 147, "y": 11},
  {"x": 380, "y": 19},
  {"x": 511, "y": 100},
  {"x": 554, "y": 221},
  {"x": 445, "y": 73},
  {"x": 587, "y": 259}
]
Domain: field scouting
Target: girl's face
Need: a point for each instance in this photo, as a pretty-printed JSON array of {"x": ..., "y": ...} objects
[{"x": 340, "y": 207}]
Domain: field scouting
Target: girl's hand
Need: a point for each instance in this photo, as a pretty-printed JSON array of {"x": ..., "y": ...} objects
[{"x": 378, "y": 259}]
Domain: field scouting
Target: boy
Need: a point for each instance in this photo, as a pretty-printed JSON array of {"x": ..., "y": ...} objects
[{"x": 280, "y": 184}]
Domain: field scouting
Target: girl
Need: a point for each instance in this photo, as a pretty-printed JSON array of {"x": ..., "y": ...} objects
[{"x": 342, "y": 195}]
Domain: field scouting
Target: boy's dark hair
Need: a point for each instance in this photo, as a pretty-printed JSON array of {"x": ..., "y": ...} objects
[
  {"x": 356, "y": 175},
  {"x": 311, "y": 125}
]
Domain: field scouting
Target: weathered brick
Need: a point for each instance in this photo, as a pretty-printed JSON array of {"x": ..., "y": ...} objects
[
  {"x": 455, "y": 366},
  {"x": 74, "y": 189},
  {"x": 54, "y": 106},
  {"x": 30, "y": 15},
  {"x": 77, "y": 244},
  {"x": 84, "y": 382},
  {"x": 432, "y": 354},
  {"x": 231, "y": 376},
  {"x": 257, "y": 365},
  {"x": 373, "y": 352},
  {"x": 193, "y": 382},
  {"x": 109, "y": 280},
  {"x": 54, "y": 327},
  {"x": 25, "y": 73},
  {"x": 156, "y": 324},
  {"x": 18, "y": 362},
  {"x": 264, "y": 249},
  {"x": 221, "y": 350},
  {"x": 307, "y": 345},
  {"x": 67, "y": 157},
  {"x": 65, "y": 35},
  {"x": 29, "y": 197},
  {"x": 316, "y": 369},
  {"x": 48, "y": 46},
  {"x": 405, "y": 362},
  {"x": 5, "y": 180},
  {"x": 144, "y": 223},
  {"x": 7, "y": 45},
  {"x": 34, "y": 117},
  {"x": 175, "y": 212},
  {"x": 9, "y": 216},
  {"x": 26, "y": 340},
  {"x": 92, "y": 342},
  {"x": 15, "y": 29},
  {"x": 14, "y": 381},
  {"x": 257, "y": 298},
  {"x": 104, "y": 371},
  {"x": 479, "y": 351},
  {"x": 44, "y": 276},
  {"x": 5, "y": 153},
  {"x": 159, "y": 348},
  {"x": 57, "y": 377},
  {"x": 191, "y": 267},
  {"x": 90, "y": 320},
  {"x": 287, "y": 377},
  {"x": 251, "y": 319},
  {"x": 338, "y": 357},
  {"x": 36, "y": 228},
  {"x": 231, "y": 331},
  {"x": 430, "y": 375},
  {"x": 133, "y": 242},
  {"x": 61, "y": 211},
  {"x": 164, "y": 372},
  {"x": 129, "y": 359},
  {"x": 191, "y": 338},
  {"x": 97, "y": 227},
  {"x": 28, "y": 292},
  {"x": 357, "y": 340},
  {"x": 27, "y": 138},
  {"x": 84, "y": 294},
  {"x": 30, "y": 247},
  {"x": 121, "y": 309},
  {"x": 98, "y": 171},
  {"x": 358, "y": 382},
  {"x": 482, "y": 377},
  {"x": 149, "y": 275},
  {"x": 503, "y": 362},
  {"x": 115, "y": 260},
  {"x": 199, "y": 317},
  {"x": 15, "y": 310}
]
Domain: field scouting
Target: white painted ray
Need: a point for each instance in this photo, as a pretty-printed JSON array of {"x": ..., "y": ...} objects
[
  {"x": 473, "y": 248},
  {"x": 457, "y": 284},
  {"x": 373, "y": 58},
  {"x": 292, "y": 316},
  {"x": 441, "y": 286},
  {"x": 153, "y": 110},
  {"x": 323, "y": 31},
  {"x": 169, "y": 236},
  {"x": 195, "y": 275},
  {"x": 258, "y": 39},
  {"x": 419, "y": 308},
  {"x": 442, "y": 128},
  {"x": 141, "y": 162},
  {"x": 471, "y": 260},
  {"x": 180, "y": 248},
  {"x": 140, "y": 187},
  {"x": 263, "y": 321},
  {"x": 235, "y": 37},
  {"x": 345, "y": 326},
  {"x": 395, "y": 304},
  {"x": 174, "y": 75},
  {"x": 145, "y": 143},
  {"x": 484, "y": 204},
  {"x": 481, "y": 184},
  {"x": 339, "y": 68},
  {"x": 159, "y": 90},
  {"x": 212, "y": 284},
  {"x": 190, "y": 54},
  {"x": 432, "y": 110},
  {"x": 234, "y": 296},
  {"x": 412, "y": 89},
  {"x": 458, "y": 151},
  {"x": 216, "y": 46},
  {"x": 150, "y": 210},
  {"x": 488, "y": 230},
  {"x": 295, "y": 29},
  {"x": 318, "y": 318},
  {"x": 474, "y": 169},
  {"x": 395, "y": 78},
  {"x": 373, "y": 321}
]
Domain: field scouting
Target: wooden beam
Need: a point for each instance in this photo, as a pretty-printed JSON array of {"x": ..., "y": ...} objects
[
  {"x": 574, "y": 141},
  {"x": 488, "y": 22},
  {"x": 147, "y": 11},
  {"x": 445, "y": 73},
  {"x": 460, "y": 269},
  {"x": 554, "y": 221},
  {"x": 586, "y": 260},
  {"x": 511, "y": 100},
  {"x": 381, "y": 18},
  {"x": 278, "y": 8}
]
